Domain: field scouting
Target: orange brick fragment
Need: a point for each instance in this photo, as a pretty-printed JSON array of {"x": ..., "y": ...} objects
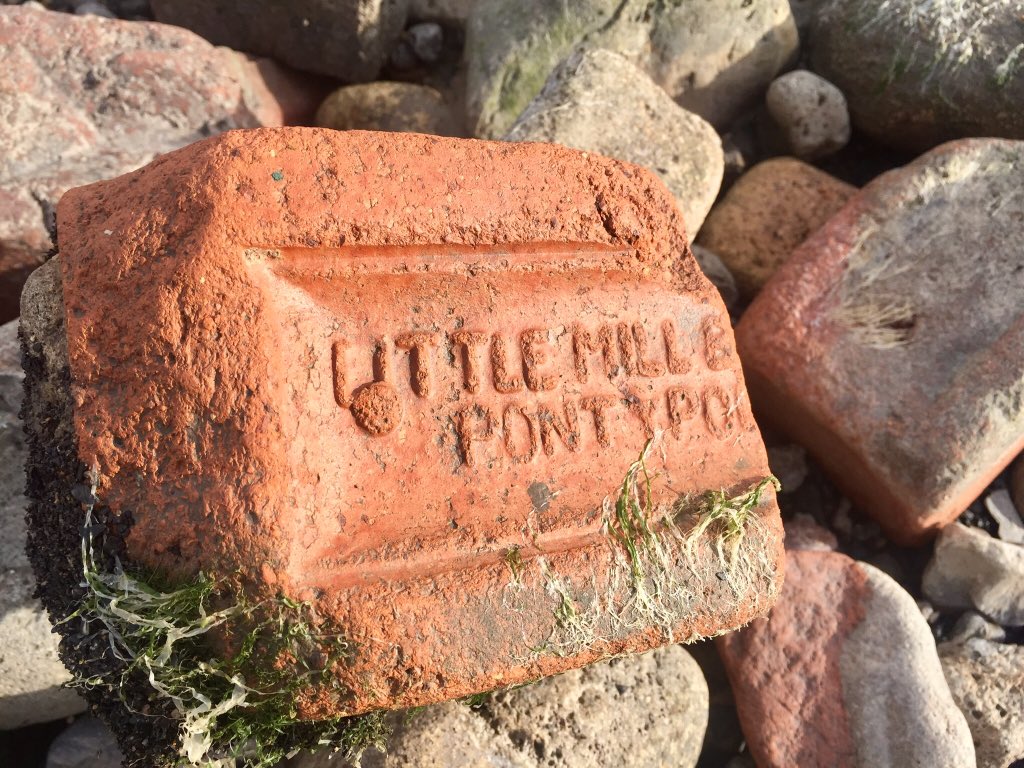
[{"x": 404, "y": 378}]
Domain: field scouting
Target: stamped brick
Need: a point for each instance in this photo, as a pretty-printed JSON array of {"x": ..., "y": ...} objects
[
  {"x": 404, "y": 378},
  {"x": 891, "y": 344}
]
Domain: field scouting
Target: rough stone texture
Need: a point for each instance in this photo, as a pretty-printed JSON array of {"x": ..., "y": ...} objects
[
  {"x": 1017, "y": 484},
  {"x": 917, "y": 73},
  {"x": 802, "y": 532},
  {"x": 30, "y": 672},
  {"x": 810, "y": 112},
  {"x": 803, "y": 14},
  {"x": 385, "y": 106},
  {"x": 843, "y": 672},
  {"x": 641, "y": 125},
  {"x": 770, "y": 211},
  {"x": 648, "y": 710},
  {"x": 715, "y": 57},
  {"x": 891, "y": 344},
  {"x": 970, "y": 569},
  {"x": 84, "y": 98},
  {"x": 86, "y": 743},
  {"x": 346, "y": 39},
  {"x": 273, "y": 272},
  {"x": 987, "y": 682},
  {"x": 972, "y": 624},
  {"x": 789, "y": 465},
  {"x": 720, "y": 276},
  {"x": 1009, "y": 526},
  {"x": 453, "y": 11}
]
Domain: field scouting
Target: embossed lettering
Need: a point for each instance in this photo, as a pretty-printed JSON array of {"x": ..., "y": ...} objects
[
  {"x": 643, "y": 409},
  {"x": 645, "y": 367},
  {"x": 417, "y": 343},
  {"x": 583, "y": 344},
  {"x": 597, "y": 405},
  {"x": 716, "y": 345},
  {"x": 719, "y": 410},
  {"x": 470, "y": 343},
  {"x": 504, "y": 382},
  {"x": 531, "y": 434},
  {"x": 465, "y": 420},
  {"x": 534, "y": 356},
  {"x": 682, "y": 406},
  {"x": 568, "y": 428},
  {"x": 626, "y": 352},
  {"x": 677, "y": 363}
]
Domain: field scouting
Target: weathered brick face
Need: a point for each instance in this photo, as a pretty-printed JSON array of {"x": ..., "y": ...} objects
[{"x": 404, "y": 378}]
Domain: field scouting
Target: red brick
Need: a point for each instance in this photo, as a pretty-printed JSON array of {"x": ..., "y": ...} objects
[
  {"x": 891, "y": 344},
  {"x": 364, "y": 367}
]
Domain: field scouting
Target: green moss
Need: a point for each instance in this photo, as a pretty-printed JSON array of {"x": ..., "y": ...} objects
[{"x": 242, "y": 705}]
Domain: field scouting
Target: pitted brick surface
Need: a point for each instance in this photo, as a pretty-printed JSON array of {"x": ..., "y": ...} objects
[{"x": 361, "y": 369}]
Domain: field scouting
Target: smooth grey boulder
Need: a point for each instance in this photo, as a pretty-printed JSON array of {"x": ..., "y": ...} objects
[
  {"x": 31, "y": 675},
  {"x": 641, "y": 125},
  {"x": 86, "y": 743},
  {"x": 347, "y": 39},
  {"x": 971, "y": 569},
  {"x": 917, "y": 73},
  {"x": 810, "y": 114},
  {"x": 714, "y": 57}
]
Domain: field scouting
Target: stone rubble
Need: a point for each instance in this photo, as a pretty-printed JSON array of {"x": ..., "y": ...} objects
[
  {"x": 987, "y": 681},
  {"x": 917, "y": 73},
  {"x": 31, "y": 675},
  {"x": 884, "y": 342},
  {"x": 643, "y": 126},
  {"x": 387, "y": 106},
  {"x": 810, "y": 113},
  {"x": 714, "y": 59},
  {"x": 873, "y": 348},
  {"x": 128, "y": 91},
  {"x": 971, "y": 569},
  {"x": 588, "y": 717},
  {"x": 839, "y": 672},
  {"x": 767, "y": 214},
  {"x": 346, "y": 39}
]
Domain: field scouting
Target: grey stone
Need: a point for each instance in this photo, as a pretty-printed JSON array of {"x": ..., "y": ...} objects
[
  {"x": 802, "y": 532},
  {"x": 843, "y": 672},
  {"x": 1017, "y": 484},
  {"x": 426, "y": 40},
  {"x": 646, "y": 710},
  {"x": 387, "y": 106},
  {"x": 971, "y": 625},
  {"x": 970, "y": 569},
  {"x": 899, "y": 706},
  {"x": 347, "y": 39},
  {"x": 453, "y": 11},
  {"x": 31, "y": 675},
  {"x": 1000, "y": 505},
  {"x": 95, "y": 9},
  {"x": 593, "y": 716},
  {"x": 714, "y": 269},
  {"x": 917, "y": 73},
  {"x": 810, "y": 113},
  {"x": 789, "y": 464},
  {"x": 598, "y": 101},
  {"x": 715, "y": 58},
  {"x": 112, "y": 95},
  {"x": 987, "y": 682},
  {"x": 803, "y": 14},
  {"x": 86, "y": 743},
  {"x": 928, "y": 611}
]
